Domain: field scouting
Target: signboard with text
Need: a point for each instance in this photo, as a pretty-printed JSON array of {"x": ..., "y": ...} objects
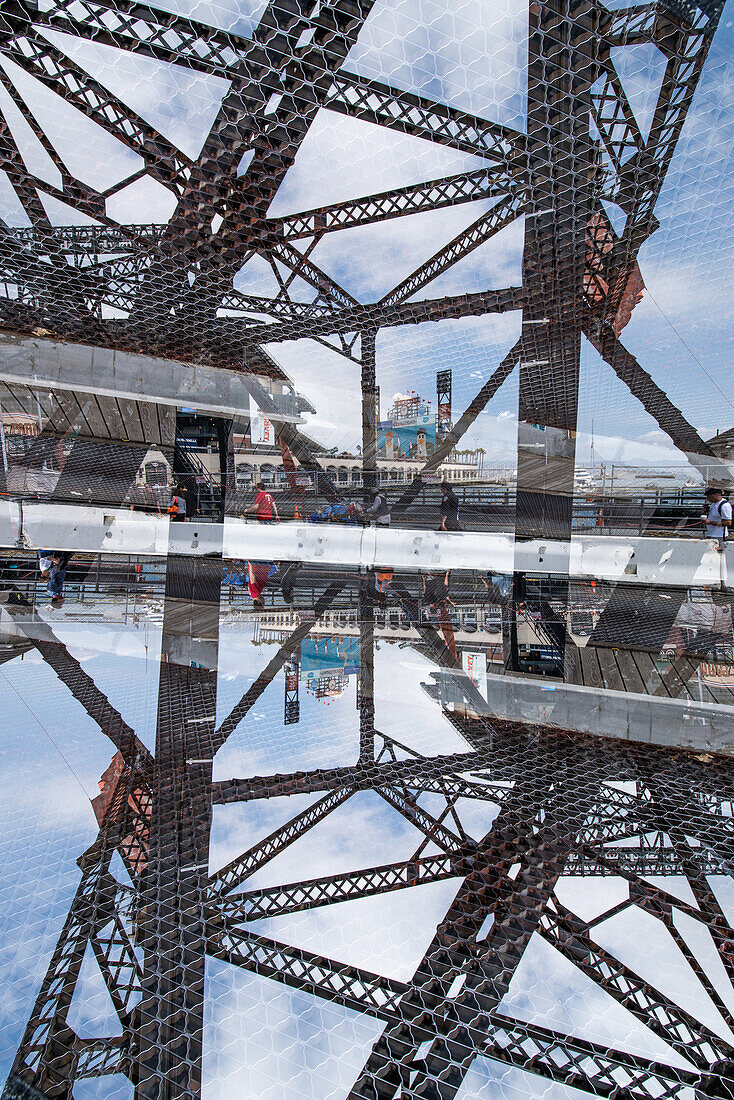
[
  {"x": 321, "y": 656},
  {"x": 261, "y": 428},
  {"x": 475, "y": 666},
  {"x": 406, "y": 439}
]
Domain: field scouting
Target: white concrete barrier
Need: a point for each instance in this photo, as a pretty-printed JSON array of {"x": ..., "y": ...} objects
[
  {"x": 665, "y": 562},
  {"x": 682, "y": 723}
]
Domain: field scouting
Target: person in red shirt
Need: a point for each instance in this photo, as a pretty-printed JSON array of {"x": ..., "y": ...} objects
[
  {"x": 264, "y": 506},
  {"x": 257, "y": 577}
]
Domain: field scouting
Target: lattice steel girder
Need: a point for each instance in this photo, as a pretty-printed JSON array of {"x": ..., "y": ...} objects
[
  {"x": 244, "y": 866},
  {"x": 329, "y": 290},
  {"x": 532, "y": 1048},
  {"x": 432, "y": 828},
  {"x": 502, "y": 214},
  {"x": 48, "y": 1054},
  {"x": 87, "y": 197},
  {"x": 79, "y": 682},
  {"x": 661, "y": 904},
  {"x": 615, "y": 119},
  {"x": 569, "y": 934},
  {"x": 171, "y": 927},
  {"x": 655, "y": 22},
  {"x": 668, "y": 812},
  {"x": 140, "y": 29},
  {"x": 184, "y": 41},
  {"x": 87, "y": 241},
  {"x": 368, "y": 775},
  {"x": 121, "y": 970},
  {"x": 369, "y": 317},
  {"x": 294, "y": 897},
  {"x": 102, "y": 1056},
  {"x": 422, "y": 117},
  {"x": 269, "y": 112},
  {"x": 560, "y": 1057},
  {"x": 584, "y": 1065},
  {"x": 331, "y": 889},
  {"x": 48, "y": 64},
  {"x": 229, "y": 342},
  {"x": 529, "y": 831},
  {"x": 294, "y": 966},
  {"x": 640, "y": 179},
  {"x": 563, "y": 64},
  {"x": 414, "y": 199},
  {"x": 654, "y": 400}
]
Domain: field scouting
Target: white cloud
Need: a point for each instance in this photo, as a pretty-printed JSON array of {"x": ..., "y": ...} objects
[
  {"x": 332, "y": 384},
  {"x": 472, "y": 55}
]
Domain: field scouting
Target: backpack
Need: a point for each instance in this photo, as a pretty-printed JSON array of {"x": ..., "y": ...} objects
[{"x": 724, "y": 523}]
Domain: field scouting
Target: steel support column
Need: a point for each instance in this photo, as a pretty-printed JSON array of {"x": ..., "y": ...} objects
[{"x": 561, "y": 69}]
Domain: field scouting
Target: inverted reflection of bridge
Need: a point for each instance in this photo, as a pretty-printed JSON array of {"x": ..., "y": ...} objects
[{"x": 629, "y": 663}]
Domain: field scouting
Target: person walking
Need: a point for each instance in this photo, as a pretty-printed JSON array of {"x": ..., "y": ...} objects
[
  {"x": 264, "y": 505},
  {"x": 718, "y": 517},
  {"x": 287, "y": 579},
  {"x": 189, "y": 492},
  {"x": 449, "y": 508},
  {"x": 258, "y": 573},
  {"x": 436, "y": 590},
  {"x": 383, "y": 576}
]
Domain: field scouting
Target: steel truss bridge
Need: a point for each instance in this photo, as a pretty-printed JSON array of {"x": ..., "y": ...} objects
[{"x": 566, "y": 804}]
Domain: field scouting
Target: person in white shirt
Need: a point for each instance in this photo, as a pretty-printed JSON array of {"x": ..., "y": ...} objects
[{"x": 718, "y": 517}]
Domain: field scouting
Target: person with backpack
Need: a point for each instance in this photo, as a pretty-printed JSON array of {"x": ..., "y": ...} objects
[
  {"x": 718, "y": 517},
  {"x": 379, "y": 509},
  {"x": 264, "y": 505},
  {"x": 177, "y": 507}
]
